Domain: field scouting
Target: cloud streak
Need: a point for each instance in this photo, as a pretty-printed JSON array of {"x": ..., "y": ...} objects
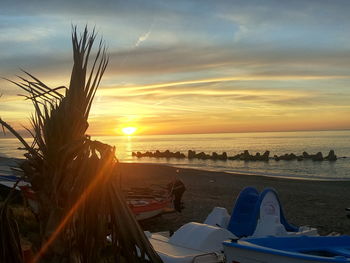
[
  {"x": 226, "y": 64},
  {"x": 145, "y": 36}
]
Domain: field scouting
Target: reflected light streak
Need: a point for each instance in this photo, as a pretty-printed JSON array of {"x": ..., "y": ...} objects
[{"x": 71, "y": 212}]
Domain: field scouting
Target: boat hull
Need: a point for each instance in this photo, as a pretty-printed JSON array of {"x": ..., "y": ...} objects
[
  {"x": 289, "y": 250},
  {"x": 143, "y": 206},
  {"x": 147, "y": 209},
  {"x": 243, "y": 256}
]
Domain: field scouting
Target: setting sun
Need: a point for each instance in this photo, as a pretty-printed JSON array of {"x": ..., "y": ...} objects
[{"x": 129, "y": 130}]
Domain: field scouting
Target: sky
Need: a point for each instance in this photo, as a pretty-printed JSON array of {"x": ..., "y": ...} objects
[{"x": 189, "y": 66}]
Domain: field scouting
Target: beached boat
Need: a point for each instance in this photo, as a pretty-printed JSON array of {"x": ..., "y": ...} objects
[
  {"x": 254, "y": 215},
  {"x": 145, "y": 203},
  {"x": 302, "y": 249},
  {"x": 149, "y": 208}
]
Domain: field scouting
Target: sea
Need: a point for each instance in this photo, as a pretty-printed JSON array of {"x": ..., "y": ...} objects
[{"x": 278, "y": 143}]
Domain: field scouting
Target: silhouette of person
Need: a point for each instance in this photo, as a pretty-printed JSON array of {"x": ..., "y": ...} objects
[{"x": 178, "y": 188}]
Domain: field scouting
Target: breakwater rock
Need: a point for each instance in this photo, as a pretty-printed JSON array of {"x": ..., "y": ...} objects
[
  {"x": 306, "y": 156},
  {"x": 204, "y": 156},
  {"x": 158, "y": 154},
  {"x": 244, "y": 156}
]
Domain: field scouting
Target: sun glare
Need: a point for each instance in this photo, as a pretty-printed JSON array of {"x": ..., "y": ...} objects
[{"x": 129, "y": 130}]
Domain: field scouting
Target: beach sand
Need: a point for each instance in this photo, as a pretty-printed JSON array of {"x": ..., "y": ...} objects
[{"x": 319, "y": 204}]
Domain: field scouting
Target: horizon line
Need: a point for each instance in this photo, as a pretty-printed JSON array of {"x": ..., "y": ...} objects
[{"x": 2, "y": 136}]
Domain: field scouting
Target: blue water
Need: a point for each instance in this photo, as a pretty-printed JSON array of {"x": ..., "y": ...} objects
[{"x": 233, "y": 143}]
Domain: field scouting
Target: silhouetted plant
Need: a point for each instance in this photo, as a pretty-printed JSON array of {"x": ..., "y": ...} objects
[{"x": 75, "y": 178}]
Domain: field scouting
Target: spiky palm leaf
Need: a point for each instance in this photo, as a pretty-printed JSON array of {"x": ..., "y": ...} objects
[{"x": 60, "y": 123}]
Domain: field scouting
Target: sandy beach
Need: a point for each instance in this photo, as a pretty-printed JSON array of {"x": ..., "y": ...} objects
[{"x": 320, "y": 204}]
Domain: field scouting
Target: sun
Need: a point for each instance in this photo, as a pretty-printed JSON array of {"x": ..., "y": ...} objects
[{"x": 129, "y": 130}]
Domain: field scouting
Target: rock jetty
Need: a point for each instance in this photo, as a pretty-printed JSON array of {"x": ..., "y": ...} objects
[
  {"x": 306, "y": 156},
  {"x": 158, "y": 154},
  {"x": 244, "y": 156}
]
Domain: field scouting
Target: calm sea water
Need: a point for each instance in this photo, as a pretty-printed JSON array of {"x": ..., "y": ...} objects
[{"x": 234, "y": 143}]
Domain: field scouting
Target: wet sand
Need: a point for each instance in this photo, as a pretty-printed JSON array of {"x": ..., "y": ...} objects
[{"x": 320, "y": 204}]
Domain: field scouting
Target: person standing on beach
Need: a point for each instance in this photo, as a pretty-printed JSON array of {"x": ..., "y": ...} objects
[{"x": 177, "y": 188}]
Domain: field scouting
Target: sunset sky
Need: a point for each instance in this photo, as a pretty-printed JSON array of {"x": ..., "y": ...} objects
[{"x": 190, "y": 66}]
